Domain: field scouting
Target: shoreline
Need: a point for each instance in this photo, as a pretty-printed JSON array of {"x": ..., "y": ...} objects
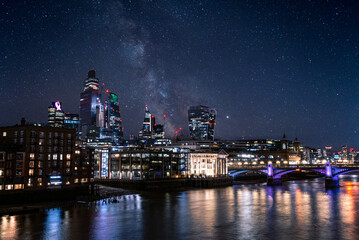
[{"x": 107, "y": 194}]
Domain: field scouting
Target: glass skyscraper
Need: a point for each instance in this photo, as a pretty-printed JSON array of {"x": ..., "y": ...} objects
[
  {"x": 113, "y": 117},
  {"x": 90, "y": 105},
  {"x": 201, "y": 122}
]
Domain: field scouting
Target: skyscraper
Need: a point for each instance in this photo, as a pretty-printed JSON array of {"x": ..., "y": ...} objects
[
  {"x": 90, "y": 105},
  {"x": 148, "y": 125},
  {"x": 113, "y": 116},
  {"x": 151, "y": 130},
  {"x": 55, "y": 114},
  {"x": 201, "y": 122}
]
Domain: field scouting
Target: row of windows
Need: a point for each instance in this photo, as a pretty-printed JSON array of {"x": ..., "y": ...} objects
[{"x": 34, "y": 134}]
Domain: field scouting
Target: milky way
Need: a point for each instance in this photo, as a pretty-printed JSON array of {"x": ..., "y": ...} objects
[{"x": 268, "y": 67}]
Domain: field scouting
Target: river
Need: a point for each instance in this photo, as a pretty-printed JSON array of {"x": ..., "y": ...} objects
[{"x": 297, "y": 210}]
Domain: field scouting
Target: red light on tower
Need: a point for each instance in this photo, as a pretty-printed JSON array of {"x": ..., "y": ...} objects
[
  {"x": 146, "y": 105},
  {"x": 152, "y": 116},
  {"x": 181, "y": 129},
  {"x": 176, "y": 132},
  {"x": 107, "y": 91},
  {"x": 103, "y": 84},
  {"x": 164, "y": 115}
]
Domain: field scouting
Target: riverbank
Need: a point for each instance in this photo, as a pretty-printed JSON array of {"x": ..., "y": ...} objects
[
  {"x": 105, "y": 195},
  {"x": 167, "y": 184},
  {"x": 104, "y": 192}
]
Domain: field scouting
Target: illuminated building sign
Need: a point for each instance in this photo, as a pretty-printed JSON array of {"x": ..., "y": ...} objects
[
  {"x": 58, "y": 106},
  {"x": 113, "y": 97}
]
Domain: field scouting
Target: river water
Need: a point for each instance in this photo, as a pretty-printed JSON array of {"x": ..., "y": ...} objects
[{"x": 297, "y": 210}]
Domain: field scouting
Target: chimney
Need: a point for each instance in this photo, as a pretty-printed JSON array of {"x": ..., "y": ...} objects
[{"x": 23, "y": 121}]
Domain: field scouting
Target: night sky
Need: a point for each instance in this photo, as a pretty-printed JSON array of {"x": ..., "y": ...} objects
[{"x": 267, "y": 67}]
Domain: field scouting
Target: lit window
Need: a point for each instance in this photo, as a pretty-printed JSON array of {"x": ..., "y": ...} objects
[
  {"x": 32, "y": 156},
  {"x": 68, "y": 156},
  {"x": 31, "y": 172},
  {"x": 4, "y": 134}
]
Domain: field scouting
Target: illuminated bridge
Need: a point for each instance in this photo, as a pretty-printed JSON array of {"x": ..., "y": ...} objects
[{"x": 274, "y": 175}]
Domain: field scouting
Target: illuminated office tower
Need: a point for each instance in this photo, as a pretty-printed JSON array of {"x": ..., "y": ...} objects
[
  {"x": 90, "y": 105},
  {"x": 113, "y": 116},
  {"x": 201, "y": 122},
  {"x": 71, "y": 121},
  {"x": 158, "y": 131},
  {"x": 148, "y": 125},
  {"x": 56, "y": 115}
]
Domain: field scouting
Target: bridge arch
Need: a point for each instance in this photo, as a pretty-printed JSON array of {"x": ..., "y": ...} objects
[
  {"x": 278, "y": 175},
  {"x": 344, "y": 172},
  {"x": 236, "y": 173}
]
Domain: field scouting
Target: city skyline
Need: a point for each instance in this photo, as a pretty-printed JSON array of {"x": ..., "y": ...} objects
[{"x": 263, "y": 77}]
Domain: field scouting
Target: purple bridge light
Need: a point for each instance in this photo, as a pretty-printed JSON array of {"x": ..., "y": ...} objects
[{"x": 328, "y": 170}]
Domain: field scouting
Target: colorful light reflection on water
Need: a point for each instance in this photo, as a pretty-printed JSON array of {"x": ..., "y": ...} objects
[{"x": 301, "y": 209}]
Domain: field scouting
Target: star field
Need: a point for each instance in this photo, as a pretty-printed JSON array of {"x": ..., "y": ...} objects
[{"x": 268, "y": 67}]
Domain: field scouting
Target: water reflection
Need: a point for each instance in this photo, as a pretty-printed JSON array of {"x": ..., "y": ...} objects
[{"x": 302, "y": 209}]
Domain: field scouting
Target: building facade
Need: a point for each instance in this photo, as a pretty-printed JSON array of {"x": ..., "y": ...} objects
[
  {"x": 39, "y": 157},
  {"x": 113, "y": 119},
  {"x": 71, "y": 121},
  {"x": 56, "y": 115},
  {"x": 140, "y": 164},
  {"x": 90, "y": 106},
  {"x": 150, "y": 129},
  {"x": 201, "y": 122},
  {"x": 210, "y": 164}
]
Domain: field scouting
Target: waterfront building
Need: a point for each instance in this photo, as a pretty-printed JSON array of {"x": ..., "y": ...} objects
[
  {"x": 39, "y": 157},
  {"x": 83, "y": 164},
  {"x": 210, "y": 164},
  {"x": 56, "y": 115},
  {"x": 253, "y": 152},
  {"x": 149, "y": 163},
  {"x": 201, "y": 122}
]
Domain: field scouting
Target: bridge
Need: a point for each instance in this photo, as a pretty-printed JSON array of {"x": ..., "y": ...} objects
[{"x": 274, "y": 175}]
